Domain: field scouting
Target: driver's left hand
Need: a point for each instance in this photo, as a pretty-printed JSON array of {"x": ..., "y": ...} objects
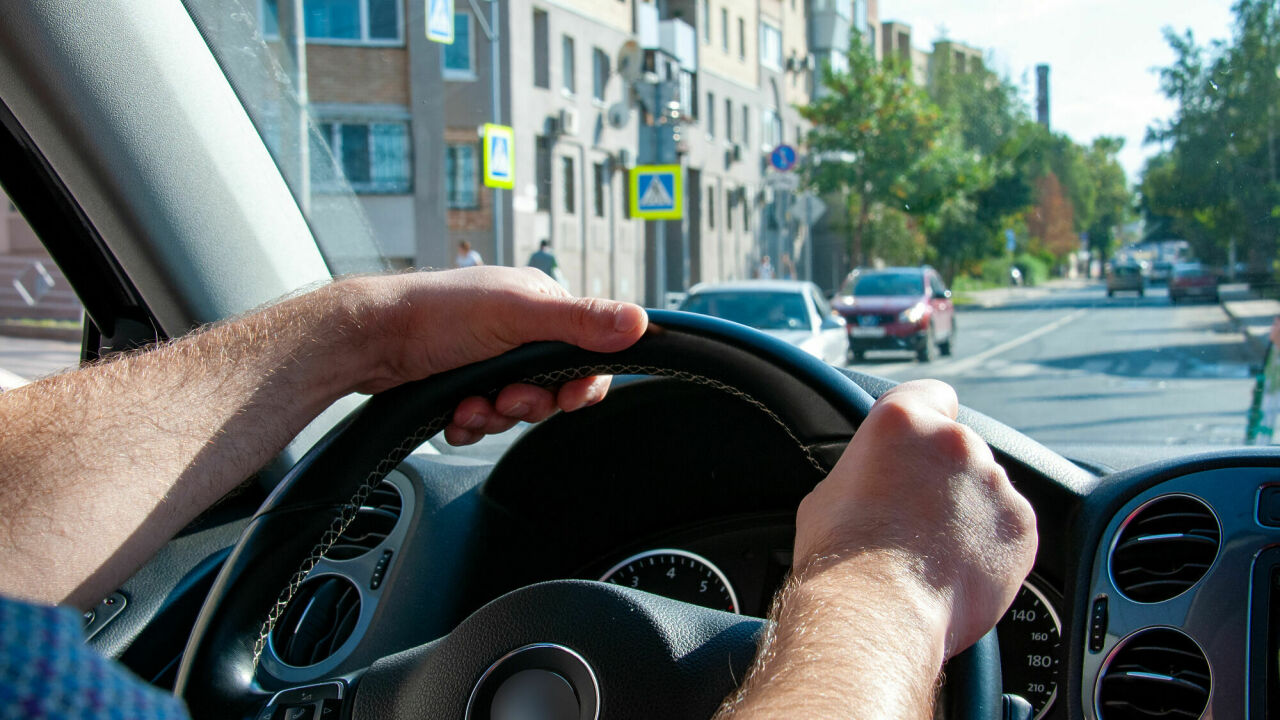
[{"x": 437, "y": 321}]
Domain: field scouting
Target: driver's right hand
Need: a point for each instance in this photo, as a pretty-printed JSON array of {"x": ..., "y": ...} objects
[{"x": 925, "y": 491}]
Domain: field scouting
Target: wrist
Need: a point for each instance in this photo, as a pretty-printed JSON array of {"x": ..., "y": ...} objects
[{"x": 908, "y": 606}]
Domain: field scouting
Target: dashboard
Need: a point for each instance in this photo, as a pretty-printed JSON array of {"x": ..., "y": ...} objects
[
  {"x": 1154, "y": 593},
  {"x": 738, "y": 566}
]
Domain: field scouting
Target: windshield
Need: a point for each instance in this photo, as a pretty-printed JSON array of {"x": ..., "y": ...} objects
[
  {"x": 886, "y": 284},
  {"x": 657, "y": 145},
  {"x": 760, "y": 310}
]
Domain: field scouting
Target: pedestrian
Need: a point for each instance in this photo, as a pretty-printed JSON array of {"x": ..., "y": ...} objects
[
  {"x": 788, "y": 267},
  {"x": 466, "y": 256},
  {"x": 545, "y": 260},
  {"x": 765, "y": 271}
]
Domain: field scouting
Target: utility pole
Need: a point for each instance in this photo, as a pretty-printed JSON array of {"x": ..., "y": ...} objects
[
  {"x": 492, "y": 33},
  {"x": 292, "y": 24}
]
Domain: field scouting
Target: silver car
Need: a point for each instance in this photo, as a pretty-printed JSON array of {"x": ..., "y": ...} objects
[{"x": 791, "y": 310}]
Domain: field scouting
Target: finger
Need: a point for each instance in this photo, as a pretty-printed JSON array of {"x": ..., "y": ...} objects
[
  {"x": 458, "y": 436},
  {"x": 525, "y": 402},
  {"x": 594, "y": 324},
  {"x": 472, "y": 414},
  {"x": 932, "y": 394},
  {"x": 577, "y": 394}
]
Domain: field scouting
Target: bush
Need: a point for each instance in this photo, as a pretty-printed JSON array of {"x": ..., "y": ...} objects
[{"x": 995, "y": 271}]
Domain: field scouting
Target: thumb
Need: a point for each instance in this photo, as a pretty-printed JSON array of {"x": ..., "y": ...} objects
[{"x": 593, "y": 324}]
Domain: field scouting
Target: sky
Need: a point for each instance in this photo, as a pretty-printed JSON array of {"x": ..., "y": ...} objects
[{"x": 1102, "y": 54}]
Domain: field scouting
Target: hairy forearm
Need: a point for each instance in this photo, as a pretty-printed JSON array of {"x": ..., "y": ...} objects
[
  {"x": 99, "y": 466},
  {"x": 859, "y": 639}
]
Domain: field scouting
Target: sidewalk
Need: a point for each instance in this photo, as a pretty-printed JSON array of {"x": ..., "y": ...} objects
[
  {"x": 1251, "y": 314},
  {"x": 996, "y": 297}
]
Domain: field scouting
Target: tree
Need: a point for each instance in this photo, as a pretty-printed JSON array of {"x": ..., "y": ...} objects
[
  {"x": 1051, "y": 222},
  {"x": 1113, "y": 203},
  {"x": 872, "y": 133},
  {"x": 1215, "y": 180}
]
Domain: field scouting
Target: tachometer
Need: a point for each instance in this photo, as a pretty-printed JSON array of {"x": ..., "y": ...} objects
[
  {"x": 677, "y": 574},
  {"x": 1030, "y": 639}
]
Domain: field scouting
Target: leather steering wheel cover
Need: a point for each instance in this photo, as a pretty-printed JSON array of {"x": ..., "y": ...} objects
[{"x": 817, "y": 404}]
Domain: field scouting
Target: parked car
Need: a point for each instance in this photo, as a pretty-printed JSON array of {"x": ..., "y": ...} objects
[
  {"x": 899, "y": 308},
  {"x": 791, "y": 310},
  {"x": 1192, "y": 280},
  {"x": 1160, "y": 272},
  {"x": 1125, "y": 277}
]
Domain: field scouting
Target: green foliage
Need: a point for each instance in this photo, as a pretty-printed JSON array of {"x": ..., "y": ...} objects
[
  {"x": 955, "y": 166},
  {"x": 1215, "y": 180},
  {"x": 886, "y": 128}
]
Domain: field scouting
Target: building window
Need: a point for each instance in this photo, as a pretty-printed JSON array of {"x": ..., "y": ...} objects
[
  {"x": 570, "y": 187},
  {"x": 730, "y": 206},
  {"x": 711, "y": 114},
  {"x": 569, "y": 82},
  {"x": 770, "y": 128},
  {"x": 711, "y": 206},
  {"x": 599, "y": 73},
  {"x": 372, "y": 156},
  {"x": 728, "y": 119},
  {"x": 746, "y": 213},
  {"x": 601, "y": 187},
  {"x": 460, "y": 177},
  {"x": 770, "y": 46},
  {"x": 542, "y": 161},
  {"x": 459, "y": 57},
  {"x": 746, "y": 126},
  {"x": 343, "y": 21},
  {"x": 742, "y": 39},
  {"x": 724, "y": 29},
  {"x": 541, "y": 50}
]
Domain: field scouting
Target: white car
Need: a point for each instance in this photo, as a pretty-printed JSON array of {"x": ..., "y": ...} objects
[{"x": 791, "y": 310}]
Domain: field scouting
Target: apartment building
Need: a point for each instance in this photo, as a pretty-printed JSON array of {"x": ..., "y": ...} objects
[{"x": 399, "y": 116}]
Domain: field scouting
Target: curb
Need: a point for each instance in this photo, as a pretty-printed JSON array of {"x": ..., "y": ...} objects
[
  {"x": 1258, "y": 343},
  {"x": 40, "y": 333}
]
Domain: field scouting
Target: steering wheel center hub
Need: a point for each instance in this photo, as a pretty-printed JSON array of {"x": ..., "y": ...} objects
[{"x": 542, "y": 681}]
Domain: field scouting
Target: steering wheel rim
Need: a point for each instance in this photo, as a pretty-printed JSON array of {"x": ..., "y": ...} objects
[{"x": 818, "y": 407}]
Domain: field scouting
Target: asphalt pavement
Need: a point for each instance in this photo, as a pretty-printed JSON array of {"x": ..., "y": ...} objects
[
  {"x": 1067, "y": 365},
  {"x": 25, "y": 359},
  {"x": 1062, "y": 363}
]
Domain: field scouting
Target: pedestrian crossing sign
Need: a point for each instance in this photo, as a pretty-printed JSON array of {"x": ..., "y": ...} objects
[
  {"x": 656, "y": 192},
  {"x": 440, "y": 21},
  {"x": 499, "y": 157}
]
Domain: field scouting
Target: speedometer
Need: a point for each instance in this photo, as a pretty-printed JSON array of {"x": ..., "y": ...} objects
[
  {"x": 677, "y": 574},
  {"x": 1030, "y": 640}
]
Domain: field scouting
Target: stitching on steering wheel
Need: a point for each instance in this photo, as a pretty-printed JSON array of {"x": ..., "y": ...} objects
[{"x": 347, "y": 513}]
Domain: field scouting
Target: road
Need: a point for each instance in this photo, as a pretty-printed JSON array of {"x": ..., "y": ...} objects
[
  {"x": 24, "y": 359},
  {"x": 1070, "y": 365},
  {"x": 1065, "y": 366}
]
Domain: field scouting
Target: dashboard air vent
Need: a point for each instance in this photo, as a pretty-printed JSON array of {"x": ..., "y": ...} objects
[
  {"x": 1164, "y": 548},
  {"x": 375, "y": 519},
  {"x": 1157, "y": 673},
  {"x": 319, "y": 619}
]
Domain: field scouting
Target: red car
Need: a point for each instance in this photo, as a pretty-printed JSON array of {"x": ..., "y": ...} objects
[
  {"x": 1192, "y": 280},
  {"x": 901, "y": 308}
]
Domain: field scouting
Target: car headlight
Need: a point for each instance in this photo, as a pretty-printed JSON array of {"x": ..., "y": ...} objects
[{"x": 913, "y": 314}]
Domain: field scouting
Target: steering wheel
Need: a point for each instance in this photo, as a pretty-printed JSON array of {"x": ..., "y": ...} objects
[{"x": 579, "y": 649}]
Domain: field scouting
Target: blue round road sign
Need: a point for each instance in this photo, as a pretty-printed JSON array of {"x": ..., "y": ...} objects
[{"x": 783, "y": 157}]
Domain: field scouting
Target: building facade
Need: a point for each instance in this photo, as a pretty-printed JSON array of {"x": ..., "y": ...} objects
[{"x": 397, "y": 117}]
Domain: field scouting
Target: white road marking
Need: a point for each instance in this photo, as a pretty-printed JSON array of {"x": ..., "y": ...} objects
[
  {"x": 1160, "y": 368},
  {"x": 973, "y": 361},
  {"x": 1097, "y": 367},
  {"x": 9, "y": 381}
]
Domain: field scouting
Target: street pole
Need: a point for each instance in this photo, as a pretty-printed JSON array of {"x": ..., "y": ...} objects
[
  {"x": 659, "y": 230},
  {"x": 292, "y": 24},
  {"x": 492, "y": 33}
]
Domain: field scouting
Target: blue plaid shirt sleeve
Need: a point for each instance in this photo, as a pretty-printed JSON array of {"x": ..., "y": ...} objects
[{"x": 47, "y": 671}]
